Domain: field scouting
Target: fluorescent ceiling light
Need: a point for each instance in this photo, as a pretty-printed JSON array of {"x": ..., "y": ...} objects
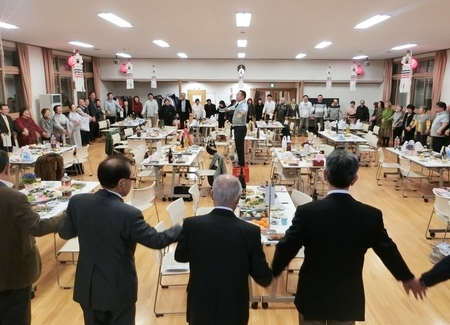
[
  {"x": 243, "y": 19},
  {"x": 359, "y": 57},
  {"x": 81, "y": 44},
  {"x": 323, "y": 44},
  {"x": 300, "y": 56},
  {"x": 160, "y": 43},
  {"x": 372, "y": 21},
  {"x": 241, "y": 55},
  {"x": 182, "y": 55},
  {"x": 114, "y": 19},
  {"x": 8, "y": 26},
  {"x": 123, "y": 55},
  {"x": 242, "y": 43},
  {"x": 401, "y": 47}
]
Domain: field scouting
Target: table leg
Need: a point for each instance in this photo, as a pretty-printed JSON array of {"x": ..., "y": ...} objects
[{"x": 16, "y": 176}]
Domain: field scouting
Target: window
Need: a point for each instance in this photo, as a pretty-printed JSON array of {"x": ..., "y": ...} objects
[
  {"x": 64, "y": 81},
  {"x": 11, "y": 89},
  {"x": 421, "y": 84}
]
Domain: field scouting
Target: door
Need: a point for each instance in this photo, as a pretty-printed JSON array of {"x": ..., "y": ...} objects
[{"x": 192, "y": 95}]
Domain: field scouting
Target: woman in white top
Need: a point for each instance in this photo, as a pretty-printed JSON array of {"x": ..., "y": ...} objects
[
  {"x": 75, "y": 119},
  {"x": 197, "y": 110},
  {"x": 61, "y": 124}
]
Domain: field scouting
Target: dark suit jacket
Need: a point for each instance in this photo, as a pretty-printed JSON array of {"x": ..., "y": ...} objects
[
  {"x": 440, "y": 272},
  {"x": 108, "y": 231},
  {"x": 222, "y": 251},
  {"x": 188, "y": 107},
  {"x": 3, "y": 129},
  {"x": 20, "y": 262},
  {"x": 336, "y": 233}
]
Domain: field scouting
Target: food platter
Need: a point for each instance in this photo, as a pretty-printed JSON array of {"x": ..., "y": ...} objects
[
  {"x": 251, "y": 203},
  {"x": 42, "y": 197}
]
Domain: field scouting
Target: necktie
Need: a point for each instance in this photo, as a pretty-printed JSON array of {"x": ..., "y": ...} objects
[{"x": 7, "y": 124}]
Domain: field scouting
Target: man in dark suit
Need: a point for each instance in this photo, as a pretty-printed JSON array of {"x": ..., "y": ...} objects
[
  {"x": 93, "y": 112},
  {"x": 7, "y": 127},
  {"x": 108, "y": 230},
  {"x": 210, "y": 109},
  {"x": 362, "y": 112},
  {"x": 20, "y": 262},
  {"x": 222, "y": 251},
  {"x": 184, "y": 110},
  {"x": 336, "y": 233},
  {"x": 439, "y": 273}
]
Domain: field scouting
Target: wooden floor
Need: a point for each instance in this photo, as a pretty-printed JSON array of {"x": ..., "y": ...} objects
[{"x": 386, "y": 303}]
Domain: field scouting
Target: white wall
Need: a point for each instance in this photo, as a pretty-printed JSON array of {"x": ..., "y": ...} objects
[
  {"x": 226, "y": 70},
  {"x": 37, "y": 78},
  {"x": 445, "y": 95}
]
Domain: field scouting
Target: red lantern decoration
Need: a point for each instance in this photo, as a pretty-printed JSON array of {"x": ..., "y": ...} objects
[
  {"x": 71, "y": 61},
  {"x": 413, "y": 63},
  {"x": 123, "y": 68},
  {"x": 359, "y": 70}
]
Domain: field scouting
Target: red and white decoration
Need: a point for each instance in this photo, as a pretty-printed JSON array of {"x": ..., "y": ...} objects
[
  {"x": 406, "y": 74},
  {"x": 329, "y": 79},
  {"x": 130, "y": 80},
  {"x": 76, "y": 62},
  {"x": 353, "y": 75},
  {"x": 153, "y": 79},
  {"x": 241, "y": 71}
]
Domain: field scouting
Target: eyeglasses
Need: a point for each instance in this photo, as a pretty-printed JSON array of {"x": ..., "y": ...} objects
[{"x": 133, "y": 179}]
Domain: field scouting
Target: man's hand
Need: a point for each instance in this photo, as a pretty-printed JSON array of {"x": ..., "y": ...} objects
[
  {"x": 447, "y": 133},
  {"x": 416, "y": 287},
  {"x": 46, "y": 135},
  {"x": 25, "y": 132},
  {"x": 64, "y": 131}
]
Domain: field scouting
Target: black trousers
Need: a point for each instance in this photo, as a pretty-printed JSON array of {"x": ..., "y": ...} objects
[
  {"x": 397, "y": 133},
  {"x": 183, "y": 116},
  {"x": 239, "y": 137},
  {"x": 15, "y": 307},
  {"x": 422, "y": 138},
  {"x": 437, "y": 143},
  {"x": 97, "y": 317},
  {"x": 93, "y": 133}
]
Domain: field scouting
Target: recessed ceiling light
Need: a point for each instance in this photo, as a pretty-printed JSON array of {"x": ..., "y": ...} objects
[
  {"x": 241, "y": 55},
  {"x": 300, "y": 56},
  {"x": 243, "y": 19},
  {"x": 242, "y": 43},
  {"x": 81, "y": 44},
  {"x": 372, "y": 21},
  {"x": 123, "y": 55},
  {"x": 401, "y": 47},
  {"x": 161, "y": 43},
  {"x": 359, "y": 57},
  {"x": 114, "y": 19},
  {"x": 8, "y": 26},
  {"x": 182, "y": 55},
  {"x": 323, "y": 44}
]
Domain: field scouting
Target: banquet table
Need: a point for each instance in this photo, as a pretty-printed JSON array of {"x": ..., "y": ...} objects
[
  {"x": 15, "y": 158},
  {"x": 251, "y": 137},
  {"x": 129, "y": 124},
  {"x": 341, "y": 139},
  {"x": 206, "y": 125},
  {"x": 281, "y": 207},
  {"x": 271, "y": 125},
  {"x": 154, "y": 134},
  {"x": 181, "y": 159}
]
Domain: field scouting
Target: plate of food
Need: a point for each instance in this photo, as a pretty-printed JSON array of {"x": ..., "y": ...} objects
[
  {"x": 275, "y": 236},
  {"x": 256, "y": 202},
  {"x": 42, "y": 197},
  {"x": 253, "y": 214},
  {"x": 75, "y": 186},
  {"x": 42, "y": 209}
]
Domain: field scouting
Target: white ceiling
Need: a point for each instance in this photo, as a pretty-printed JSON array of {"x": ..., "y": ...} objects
[{"x": 207, "y": 28}]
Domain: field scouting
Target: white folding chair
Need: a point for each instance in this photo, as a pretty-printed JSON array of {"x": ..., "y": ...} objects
[
  {"x": 195, "y": 192},
  {"x": 168, "y": 267},
  {"x": 176, "y": 211},
  {"x": 441, "y": 209},
  {"x": 300, "y": 198},
  {"x": 68, "y": 160},
  {"x": 144, "y": 198},
  {"x": 71, "y": 247},
  {"x": 82, "y": 156},
  {"x": 376, "y": 130},
  {"x": 407, "y": 174},
  {"x": 382, "y": 164}
]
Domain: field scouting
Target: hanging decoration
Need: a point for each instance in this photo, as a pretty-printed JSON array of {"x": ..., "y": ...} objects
[
  {"x": 359, "y": 70},
  {"x": 414, "y": 63},
  {"x": 353, "y": 76},
  {"x": 329, "y": 79},
  {"x": 77, "y": 71},
  {"x": 71, "y": 61},
  {"x": 153, "y": 79},
  {"x": 130, "y": 80},
  {"x": 123, "y": 68},
  {"x": 241, "y": 71},
  {"x": 406, "y": 74}
]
